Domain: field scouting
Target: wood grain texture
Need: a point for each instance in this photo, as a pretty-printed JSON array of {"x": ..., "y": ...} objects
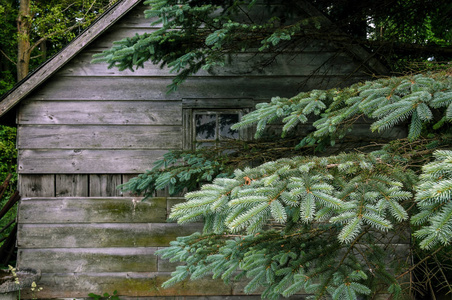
[
  {"x": 320, "y": 63},
  {"x": 132, "y": 284},
  {"x": 71, "y": 185},
  {"x": 126, "y": 178},
  {"x": 86, "y": 161},
  {"x": 126, "y": 88},
  {"x": 116, "y": 34},
  {"x": 79, "y": 260},
  {"x": 100, "y": 112},
  {"x": 217, "y": 103},
  {"x": 92, "y": 210},
  {"x": 104, "y": 185},
  {"x": 136, "y": 18},
  {"x": 38, "y": 185},
  {"x": 101, "y": 235},
  {"x": 99, "y": 137}
]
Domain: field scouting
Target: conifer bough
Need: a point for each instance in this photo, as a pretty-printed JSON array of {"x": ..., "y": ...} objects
[
  {"x": 322, "y": 225},
  {"x": 326, "y": 226}
]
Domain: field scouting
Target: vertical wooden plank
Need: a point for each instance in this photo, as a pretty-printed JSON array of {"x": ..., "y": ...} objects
[
  {"x": 246, "y": 134},
  {"x": 37, "y": 185},
  {"x": 187, "y": 129},
  {"x": 125, "y": 178},
  {"x": 104, "y": 185},
  {"x": 162, "y": 193},
  {"x": 71, "y": 185}
]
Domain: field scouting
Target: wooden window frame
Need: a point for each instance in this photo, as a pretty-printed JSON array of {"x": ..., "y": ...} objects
[{"x": 190, "y": 106}]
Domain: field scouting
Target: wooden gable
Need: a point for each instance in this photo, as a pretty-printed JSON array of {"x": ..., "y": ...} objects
[{"x": 102, "y": 125}]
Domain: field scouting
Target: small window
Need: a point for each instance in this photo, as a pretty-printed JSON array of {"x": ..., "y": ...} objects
[
  {"x": 207, "y": 122},
  {"x": 213, "y": 127}
]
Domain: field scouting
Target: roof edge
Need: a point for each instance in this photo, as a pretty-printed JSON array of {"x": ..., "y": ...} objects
[{"x": 50, "y": 67}]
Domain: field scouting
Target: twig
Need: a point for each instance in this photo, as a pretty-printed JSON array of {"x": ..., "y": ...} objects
[{"x": 7, "y": 57}]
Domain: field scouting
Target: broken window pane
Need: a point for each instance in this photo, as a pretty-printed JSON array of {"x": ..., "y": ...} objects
[
  {"x": 225, "y": 122},
  {"x": 205, "y": 126}
]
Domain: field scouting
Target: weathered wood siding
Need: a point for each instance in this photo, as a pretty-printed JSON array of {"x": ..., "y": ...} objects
[
  {"x": 89, "y": 128},
  {"x": 90, "y": 120},
  {"x": 103, "y": 244},
  {"x": 96, "y": 245}
]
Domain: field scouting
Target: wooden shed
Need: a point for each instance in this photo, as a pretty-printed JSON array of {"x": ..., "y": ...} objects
[{"x": 83, "y": 129}]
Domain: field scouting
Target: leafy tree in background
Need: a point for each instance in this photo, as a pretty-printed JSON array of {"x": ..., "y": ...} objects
[
  {"x": 32, "y": 31},
  {"x": 8, "y": 156},
  {"x": 328, "y": 224}
]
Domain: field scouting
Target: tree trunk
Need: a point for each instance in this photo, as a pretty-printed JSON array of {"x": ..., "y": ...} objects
[{"x": 23, "y": 48}]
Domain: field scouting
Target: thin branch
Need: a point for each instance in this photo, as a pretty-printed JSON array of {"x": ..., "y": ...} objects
[
  {"x": 7, "y": 57},
  {"x": 89, "y": 9},
  {"x": 419, "y": 263},
  {"x": 46, "y": 37}
]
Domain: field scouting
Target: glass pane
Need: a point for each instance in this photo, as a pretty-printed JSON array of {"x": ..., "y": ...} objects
[
  {"x": 205, "y": 126},
  {"x": 225, "y": 123}
]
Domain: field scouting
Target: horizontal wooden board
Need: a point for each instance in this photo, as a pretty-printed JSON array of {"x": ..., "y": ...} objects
[
  {"x": 139, "y": 286},
  {"x": 101, "y": 235},
  {"x": 86, "y": 161},
  {"x": 133, "y": 284},
  {"x": 217, "y": 103},
  {"x": 164, "y": 265},
  {"x": 79, "y": 260},
  {"x": 101, "y": 112},
  {"x": 214, "y": 297},
  {"x": 92, "y": 210},
  {"x": 151, "y": 88},
  {"x": 242, "y": 64},
  {"x": 98, "y": 137},
  {"x": 105, "y": 41},
  {"x": 135, "y": 18}
]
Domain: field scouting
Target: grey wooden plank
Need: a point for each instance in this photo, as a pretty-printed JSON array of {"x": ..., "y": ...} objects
[
  {"x": 79, "y": 260},
  {"x": 126, "y": 178},
  {"x": 105, "y": 41},
  {"x": 171, "y": 201},
  {"x": 104, "y": 185},
  {"x": 37, "y": 185},
  {"x": 126, "y": 88},
  {"x": 187, "y": 137},
  {"x": 101, "y": 235},
  {"x": 71, "y": 185},
  {"x": 92, "y": 210},
  {"x": 217, "y": 103},
  {"x": 221, "y": 297},
  {"x": 66, "y": 54},
  {"x": 100, "y": 112},
  {"x": 136, "y": 18},
  {"x": 249, "y": 64},
  {"x": 98, "y": 137},
  {"x": 86, "y": 161},
  {"x": 164, "y": 265},
  {"x": 132, "y": 284}
]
